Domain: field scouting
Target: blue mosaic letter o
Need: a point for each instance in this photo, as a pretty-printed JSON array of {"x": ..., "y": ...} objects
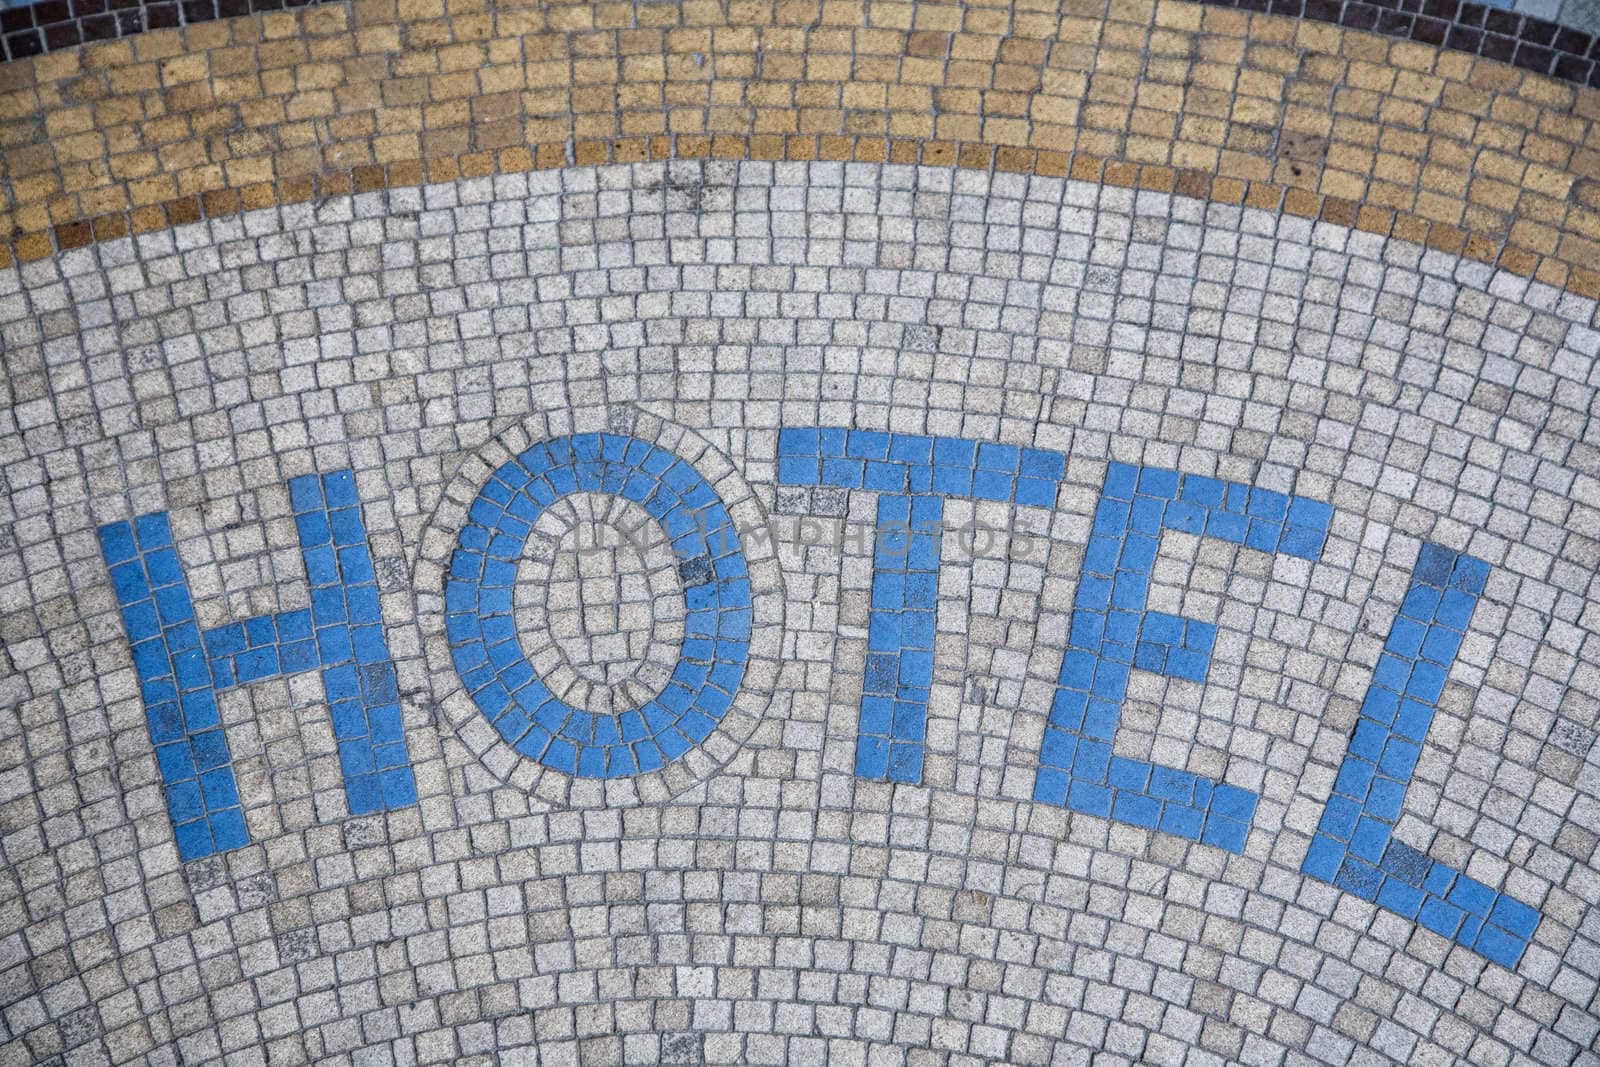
[{"x": 716, "y": 589}]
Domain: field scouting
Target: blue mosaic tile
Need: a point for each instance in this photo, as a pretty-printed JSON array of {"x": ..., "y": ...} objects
[
  {"x": 900, "y": 632},
  {"x": 711, "y": 567},
  {"x": 181, "y": 669},
  {"x": 182, "y": 748},
  {"x": 1354, "y": 847},
  {"x": 1110, "y": 632},
  {"x": 901, "y": 463},
  {"x": 916, "y": 473}
]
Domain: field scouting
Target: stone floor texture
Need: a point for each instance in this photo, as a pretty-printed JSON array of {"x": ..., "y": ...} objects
[
  {"x": 1548, "y": 36},
  {"x": 838, "y": 533}
]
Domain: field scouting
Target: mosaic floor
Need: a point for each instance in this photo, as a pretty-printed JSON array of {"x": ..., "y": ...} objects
[{"x": 860, "y": 533}]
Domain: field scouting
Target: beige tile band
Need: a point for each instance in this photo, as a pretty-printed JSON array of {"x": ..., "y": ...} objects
[{"x": 1457, "y": 152}]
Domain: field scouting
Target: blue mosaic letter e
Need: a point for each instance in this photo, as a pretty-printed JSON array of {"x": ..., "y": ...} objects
[{"x": 1111, "y": 633}]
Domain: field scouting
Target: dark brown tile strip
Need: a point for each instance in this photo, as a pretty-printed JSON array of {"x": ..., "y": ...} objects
[
  {"x": 56, "y": 24},
  {"x": 1538, "y": 45}
]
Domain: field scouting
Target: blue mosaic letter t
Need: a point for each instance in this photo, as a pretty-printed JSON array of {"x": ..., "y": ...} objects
[{"x": 181, "y": 669}]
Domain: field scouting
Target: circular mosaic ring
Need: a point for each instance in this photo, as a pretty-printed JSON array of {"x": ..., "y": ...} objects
[
  {"x": 483, "y": 639},
  {"x": 524, "y": 728}
]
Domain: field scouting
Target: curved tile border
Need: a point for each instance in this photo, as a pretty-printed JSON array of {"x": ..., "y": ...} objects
[
  {"x": 247, "y": 113},
  {"x": 1551, "y": 270},
  {"x": 1543, "y": 46}
]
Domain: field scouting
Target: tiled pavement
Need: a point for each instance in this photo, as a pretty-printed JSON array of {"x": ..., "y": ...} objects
[
  {"x": 770, "y": 611},
  {"x": 788, "y": 904}
]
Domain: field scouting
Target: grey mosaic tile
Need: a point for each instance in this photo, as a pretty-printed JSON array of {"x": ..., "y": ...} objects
[{"x": 756, "y": 899}]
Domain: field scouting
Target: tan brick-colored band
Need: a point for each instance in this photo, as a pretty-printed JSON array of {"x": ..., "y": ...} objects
[{"x": 1461, "y": 153}]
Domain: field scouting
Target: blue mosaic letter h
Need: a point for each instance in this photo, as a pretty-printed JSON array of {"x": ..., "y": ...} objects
[{"x": 181, "y": 669}]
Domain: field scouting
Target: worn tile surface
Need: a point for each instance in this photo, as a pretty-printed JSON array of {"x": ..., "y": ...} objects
[
  {"x": 1465, "y": 151},
  {"x": 1301, "y": 523},
  {"x": 905, "y": 533}
]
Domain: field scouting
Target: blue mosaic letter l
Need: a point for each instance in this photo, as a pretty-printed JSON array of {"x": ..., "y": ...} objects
[
  {"x": 1354, "y": 846},
  {"x": 181, "y": 669}
]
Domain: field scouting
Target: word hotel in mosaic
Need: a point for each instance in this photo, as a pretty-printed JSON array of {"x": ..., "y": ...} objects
[{"x": 181, "y": 668}]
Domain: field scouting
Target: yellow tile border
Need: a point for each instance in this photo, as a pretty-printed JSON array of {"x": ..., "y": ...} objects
[
  {"x": 1193, "y": 184},
  {"x": 1454, "y": 152}
]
